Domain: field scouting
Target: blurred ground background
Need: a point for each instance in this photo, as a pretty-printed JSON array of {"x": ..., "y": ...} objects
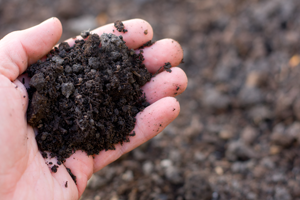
[{"x": 238, "y": 134}]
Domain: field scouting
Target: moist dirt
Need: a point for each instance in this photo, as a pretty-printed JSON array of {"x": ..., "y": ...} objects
[{"x": 86, "y": 97}]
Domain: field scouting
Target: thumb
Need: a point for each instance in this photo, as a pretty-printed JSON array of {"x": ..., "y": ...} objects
[{"x": 22, "y": 48}]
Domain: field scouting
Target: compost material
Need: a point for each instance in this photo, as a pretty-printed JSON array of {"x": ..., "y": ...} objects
[{"x": 86, "y": 97}]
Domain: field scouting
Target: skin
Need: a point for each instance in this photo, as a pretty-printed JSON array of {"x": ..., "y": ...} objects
[{"x": 23, "y": 172}]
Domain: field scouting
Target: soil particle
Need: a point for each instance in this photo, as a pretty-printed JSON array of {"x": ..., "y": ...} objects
[
  {"x": 54, "y": 168},
  {"x": 132, "y": 134},
  {"x": 146, "y": 32},
  {"x": 37, "y": 81},
  {"x": 44, "y": 155},
  {"x": 248, "y": 135},
  {"x": 66, "y": 185},
  {"x": 120, "y": 26},
  {"x": 167, "y": 67},
  {"x": 147, "y": 44},
  {"x": 72, "y": 175},
  {"x": 85, "y": 34},
  {"x": 92, "y": 105},
  {"x": 281, "y": 137},
  {"x": 67, "y": 89},
  {"x": 238, "y": 151},
  {"x": 57, "y": 59}
]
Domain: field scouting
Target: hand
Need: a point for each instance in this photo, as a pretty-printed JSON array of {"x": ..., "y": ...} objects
[{"x": 23, "y": 172}]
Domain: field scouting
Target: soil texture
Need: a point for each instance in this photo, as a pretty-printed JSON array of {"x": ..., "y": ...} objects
[{"x": 86, "y": 97}]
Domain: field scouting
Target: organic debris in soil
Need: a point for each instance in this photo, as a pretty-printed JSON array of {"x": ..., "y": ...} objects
[
  {"x": 86, "y": 97},
  {"x": 120, "y": 26}
]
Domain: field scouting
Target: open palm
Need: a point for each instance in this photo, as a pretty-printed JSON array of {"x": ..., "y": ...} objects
[{"x": 24, "y": 173}]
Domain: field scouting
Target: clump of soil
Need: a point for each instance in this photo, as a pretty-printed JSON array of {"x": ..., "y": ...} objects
[
  {"x": 167, "y": 67},
  {"x": 86, "y": 97}
]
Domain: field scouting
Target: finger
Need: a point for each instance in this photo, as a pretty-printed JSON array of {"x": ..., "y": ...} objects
[
  {"x": 149, "y": 123},
  {"x": 22, "y": 48},
  {"x": 161, "y": 52},
  {"x": 81, "y": 166},
  {"x": 134, "y": 38},
  {"x": 165, "y": 84}
]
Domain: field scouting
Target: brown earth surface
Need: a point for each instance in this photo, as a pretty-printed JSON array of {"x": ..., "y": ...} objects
[{"x": 238, "y": 133}]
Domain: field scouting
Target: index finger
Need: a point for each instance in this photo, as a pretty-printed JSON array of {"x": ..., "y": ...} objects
[{"x": 138, "y": 33}]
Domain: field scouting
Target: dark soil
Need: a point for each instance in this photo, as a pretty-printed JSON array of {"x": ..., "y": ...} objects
[{"x": 86, "y": 97}]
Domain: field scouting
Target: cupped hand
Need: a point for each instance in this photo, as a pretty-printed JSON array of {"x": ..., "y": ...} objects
[{"x": 24, "y": 173}]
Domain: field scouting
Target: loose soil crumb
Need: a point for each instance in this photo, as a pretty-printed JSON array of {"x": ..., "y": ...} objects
[
  {"x": 120, "y": 26},
  {"x": 85, "y": 34},
  {"x": 44, "y": 155},
  {"x": 72, "y": 175},
  {"x": 66, "y": 185},
  {"x": 146, "y": 32},
  {"x": 167, "y": 67},
  {"x": 54, "y": 168},
  {"x": 147, "y": 44},
  {"x": 86, "y": 97}
]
